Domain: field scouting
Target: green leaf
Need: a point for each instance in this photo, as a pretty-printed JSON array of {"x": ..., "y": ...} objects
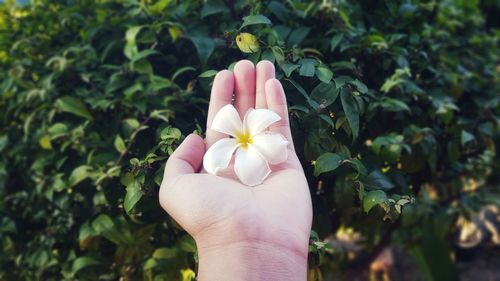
[
  {"x": 278, "y": 54},
  {"x": 298, "y": 35},
  {"x": 170, "y": 133},
  {"x": 131, "y": 49},
  {"x": 143, "y": 54},
  {"x": 159, "y": 6},
  {"x": 165, "y": 253},
  {"x": 132, "y": 197},
  {"x": 105, "y": 226},
  {"x": 119, "y": 144},
  {"x": 288, "y": 68},
  {"x": 327, "y": 162},
  {"x": 307, "y": 67},
  {"x": 83, "y": 262},
  {"x": 376, "y": 179},
  {"x": 132, "y": 123},
  {"x": 74, "y": 106},
  {"x": 334, "y": 42},
  {"x": 79, "y": 174},
  {"x": 325, "y": 94},
  {"x": 204, "y": 47},
  {"x": 390, "y": 104},
  {"x": 324, "y": 74},
  {"x": 350, "y": 110},
  {"x": 212, "y": 8},
  {"x": 208, "y": 73},
  {"x": 466, "y": 137},
  {"x": 255, "y": 19},
  {"x": 279, "y": 10},
  {"x": 181, "y": 71},
  {"x": 360, "y": 86},
  {"x": 57, "y": 130},
  {"x": 372, "y": 198},
  {"x": 187, "y": 244}
]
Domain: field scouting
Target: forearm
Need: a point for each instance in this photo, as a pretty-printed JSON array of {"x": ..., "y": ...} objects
[{"x": 247, "y": 261}]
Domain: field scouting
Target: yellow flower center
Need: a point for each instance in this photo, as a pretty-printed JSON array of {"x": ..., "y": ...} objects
[{"x": 243, "y": 139}]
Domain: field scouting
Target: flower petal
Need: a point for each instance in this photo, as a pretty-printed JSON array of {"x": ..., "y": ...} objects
[
  {"x": 219, "y": 155},
  {"x": 257, "y": 120},
  {"x": 250, "y": 167},
  {"x": 227, "y": 121},
  {"x": 272, "y": 146}
]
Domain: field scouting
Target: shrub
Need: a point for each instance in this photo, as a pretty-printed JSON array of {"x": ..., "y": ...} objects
[{"x": 394, "y": 109}]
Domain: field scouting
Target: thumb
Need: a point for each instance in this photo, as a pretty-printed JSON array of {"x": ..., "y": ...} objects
[{"x": 186, "y": 159}]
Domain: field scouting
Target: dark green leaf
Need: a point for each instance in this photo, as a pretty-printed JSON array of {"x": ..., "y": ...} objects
[
  {"x": 212, "y": 8},
  {"x": 372, "y": 198},
  {"x": 298, "y": 35},
  {"x": 327, "y": 162},
  {"x": 325, "y": 94},
  {"x": 324, "y": 74},
  {"x": 204, "y": 47},
  {"x": 288, "y": 68},
  {"x": 334, "y": 42},
  {"x": 255, "y": 19},
  {"x": 466, "y": 137},
  {"x": 307, "y": 67},
  {"x": 208, "y": 73},
  {"x": 350, "y": 110},
  {"x": 360, "y": 86},
  {"x": 376, "y": 179}
]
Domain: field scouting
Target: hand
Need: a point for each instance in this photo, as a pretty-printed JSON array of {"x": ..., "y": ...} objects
[{"x": 242, "y": 232}]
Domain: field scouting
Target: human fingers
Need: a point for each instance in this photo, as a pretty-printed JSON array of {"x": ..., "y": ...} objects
[
  {"x": 186, "y": 159},
  {"x": 244, "y": 86},
  {"x": 263, "y": 72},
  {"x": 276, "y": 101},
  {"x": 222, "y": 94}
]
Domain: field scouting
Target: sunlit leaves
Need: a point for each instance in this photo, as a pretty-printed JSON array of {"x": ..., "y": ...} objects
[{"x": 131, "y": 48}]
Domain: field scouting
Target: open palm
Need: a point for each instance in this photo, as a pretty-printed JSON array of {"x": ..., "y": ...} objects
[{"x": 219, "y": 211}]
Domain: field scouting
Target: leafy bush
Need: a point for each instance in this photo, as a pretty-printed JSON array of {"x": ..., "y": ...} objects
[{"x": 395, "y": 117}]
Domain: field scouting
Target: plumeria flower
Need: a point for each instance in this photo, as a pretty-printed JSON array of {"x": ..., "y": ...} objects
[{"x": 254, "y": 147}]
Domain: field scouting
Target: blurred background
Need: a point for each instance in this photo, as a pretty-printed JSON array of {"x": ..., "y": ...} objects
[{"x": 394, "y": 108}]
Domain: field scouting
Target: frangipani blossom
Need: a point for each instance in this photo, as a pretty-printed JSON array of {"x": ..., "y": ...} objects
[{"x": 253, "y": 146}]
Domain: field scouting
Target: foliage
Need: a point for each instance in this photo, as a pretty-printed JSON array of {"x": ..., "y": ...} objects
[{"x": 394, "y": 109}]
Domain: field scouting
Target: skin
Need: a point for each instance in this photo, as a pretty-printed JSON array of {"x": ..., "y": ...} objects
[{"x": 242, "y": 232}]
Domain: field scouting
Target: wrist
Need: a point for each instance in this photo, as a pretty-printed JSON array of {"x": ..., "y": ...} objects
[{"x": 251, "y": 260}]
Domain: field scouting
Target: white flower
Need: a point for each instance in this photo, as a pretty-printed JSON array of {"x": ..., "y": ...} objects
[{"x": 254, "y": 147}]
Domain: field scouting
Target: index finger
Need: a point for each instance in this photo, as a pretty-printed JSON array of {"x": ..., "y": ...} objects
[{"x": 222, "y": 94}]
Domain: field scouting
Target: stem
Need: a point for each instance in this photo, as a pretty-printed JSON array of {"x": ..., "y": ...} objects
[{"x": 132, "y": 138}]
